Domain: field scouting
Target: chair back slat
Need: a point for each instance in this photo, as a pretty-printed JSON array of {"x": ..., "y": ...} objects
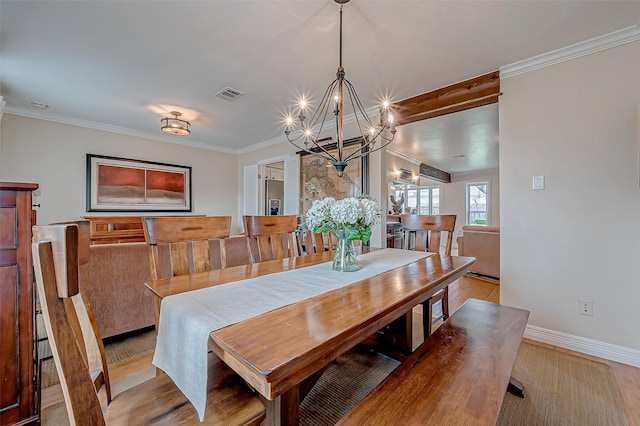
[
  {"x": 272, "y": 237},
  {"x": 201, "y": 256},
  {"x": 318, "y": 239},
  {"x": 81, "y": 399},
  {"x": 235, "y": 251},
  {"x": 179, "y": 258},
  {"x": 188, "y": 239}
]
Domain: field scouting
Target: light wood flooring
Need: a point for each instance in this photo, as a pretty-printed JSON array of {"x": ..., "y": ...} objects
[{"x": 129, "y": 373}]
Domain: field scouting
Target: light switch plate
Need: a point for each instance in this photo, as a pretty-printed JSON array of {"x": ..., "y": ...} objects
[{"x": 538, "y": 183}]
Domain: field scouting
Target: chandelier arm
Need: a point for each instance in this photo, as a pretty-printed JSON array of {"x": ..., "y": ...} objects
[
  {"x": 365, "y": 117},
  {"x": 354, "y": 95},
  {"x": 364, "y": 154},
  {"x": 315, "y": 141},
  {"x": 360, "y": 152},
  {"x": 324, "y": 103},
  {"x": 327, "y": 157}
]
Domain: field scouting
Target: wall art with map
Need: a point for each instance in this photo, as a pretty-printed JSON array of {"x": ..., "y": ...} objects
[{"x": 320, "y": 179}]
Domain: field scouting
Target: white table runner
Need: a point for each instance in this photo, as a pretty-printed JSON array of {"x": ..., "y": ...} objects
[{"x": 187, "y": 319}]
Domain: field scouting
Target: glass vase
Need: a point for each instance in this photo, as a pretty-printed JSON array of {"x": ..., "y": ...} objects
[{"x": 345, "y": 258}]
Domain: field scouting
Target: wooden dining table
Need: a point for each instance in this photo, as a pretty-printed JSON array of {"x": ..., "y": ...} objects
[{"x": 282, "y": 352}]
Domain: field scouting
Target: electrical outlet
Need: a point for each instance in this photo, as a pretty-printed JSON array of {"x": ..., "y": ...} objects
[{"x": 586, "y": 307}]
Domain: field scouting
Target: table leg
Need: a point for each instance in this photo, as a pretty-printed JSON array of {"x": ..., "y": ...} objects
[
  {"x": 273, "y": 412},
  {"x": 289, "y": 407}
]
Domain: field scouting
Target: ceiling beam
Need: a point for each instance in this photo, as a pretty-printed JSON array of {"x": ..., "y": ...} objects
[
  {"x": 433, "y": 173},
  {"x": 476, "y": 92}
]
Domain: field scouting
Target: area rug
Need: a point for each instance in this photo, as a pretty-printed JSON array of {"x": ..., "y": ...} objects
[
  {"x": 116, "y": 350},
  {"x": 349, "y": 379},
  {"x": 562, "y": 389}
]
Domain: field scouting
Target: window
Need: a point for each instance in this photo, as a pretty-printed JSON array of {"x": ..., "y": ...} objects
[
  {"x": 420, "y": 200},
  {"x": 478, "y": 203}
]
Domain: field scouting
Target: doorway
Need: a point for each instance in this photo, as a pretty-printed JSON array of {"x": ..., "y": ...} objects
[{"x": 273, "y": 182}]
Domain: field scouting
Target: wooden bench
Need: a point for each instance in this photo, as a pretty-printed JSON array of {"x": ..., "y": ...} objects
[{"x": 459, "y": 375}]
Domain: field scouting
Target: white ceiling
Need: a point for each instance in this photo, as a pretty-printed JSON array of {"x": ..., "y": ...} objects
[{"x": 123, "y": 65}]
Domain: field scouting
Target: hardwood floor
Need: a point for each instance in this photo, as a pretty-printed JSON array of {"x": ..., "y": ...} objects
[{"x": 129, "y": 373}]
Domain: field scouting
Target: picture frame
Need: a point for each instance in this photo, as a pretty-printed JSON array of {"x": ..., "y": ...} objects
[
  {"x": 319, "y": 179},
  {"x": 117, "y": 184}
]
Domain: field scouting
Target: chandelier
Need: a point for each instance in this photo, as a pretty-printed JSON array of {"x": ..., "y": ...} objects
[
  {"x": 175, "y": 126},
  {"x": 337, "y": 92}
]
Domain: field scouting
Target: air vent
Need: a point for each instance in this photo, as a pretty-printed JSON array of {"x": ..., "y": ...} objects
[
  {"x": 39, "y": 105},
  {"x": 229, "y": 94}
]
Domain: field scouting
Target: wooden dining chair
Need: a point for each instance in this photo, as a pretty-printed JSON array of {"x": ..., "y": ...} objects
[
  {"x": 188, "y": 241},
  {"x": 310, "y": 242},
  {"x": 183, "y": 245},
  {"x": 85, "y": 325},
  {"x": 272, "y": 237},
  {"x": 423, "y": 233},
  {"x": 157, "y": 401}
]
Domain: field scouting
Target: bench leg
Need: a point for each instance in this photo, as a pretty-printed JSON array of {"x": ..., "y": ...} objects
[{"x": 515, "y": 387}]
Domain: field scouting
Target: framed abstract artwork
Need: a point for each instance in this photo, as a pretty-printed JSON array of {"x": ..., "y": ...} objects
[{"x": 126, "y": 185}]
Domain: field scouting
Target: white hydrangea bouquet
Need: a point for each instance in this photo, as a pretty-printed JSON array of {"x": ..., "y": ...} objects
[{"x": 353, "y": 216}]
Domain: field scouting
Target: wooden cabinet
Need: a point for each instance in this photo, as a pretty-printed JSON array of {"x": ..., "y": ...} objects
[
  {"x": 271, "y": 173},
  {"x": 17, "y": 300},
  {"x": 115, "y": 229}
]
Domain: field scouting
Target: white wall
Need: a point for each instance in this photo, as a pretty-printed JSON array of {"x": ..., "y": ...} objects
[
  {"x": 53, "y": 155},
  {"x": 576, "y": 123}
]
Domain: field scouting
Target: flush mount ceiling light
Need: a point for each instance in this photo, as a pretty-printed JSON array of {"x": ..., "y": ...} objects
[
  {"x": 175, "y": 126},
  {"x": 338, "y": 91}
]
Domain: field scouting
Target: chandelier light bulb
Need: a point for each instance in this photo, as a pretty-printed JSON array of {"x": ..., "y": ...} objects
[
  {"x": 385, "y": 104},
  {"x": 303, "y": 103}
]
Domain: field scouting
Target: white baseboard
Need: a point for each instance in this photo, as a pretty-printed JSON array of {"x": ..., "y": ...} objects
[{"x": 583, "y": 345}]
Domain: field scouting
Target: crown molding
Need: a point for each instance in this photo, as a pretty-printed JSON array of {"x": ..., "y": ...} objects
[
  {"x": 587, "y": 47},
  {"x": 583, "y": 345},
  {"x": 24, "y": 112},
  {"x": 260, "y": 145},
  {"x": 403, "y": 156},
  {"x": 475, "y": 172}
]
